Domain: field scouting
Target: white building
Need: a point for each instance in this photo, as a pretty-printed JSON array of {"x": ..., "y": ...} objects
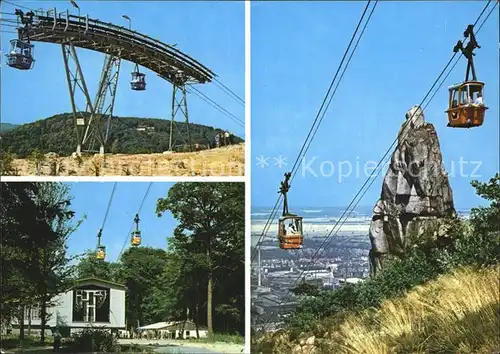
[
  {"x": 351, "y": 280},
  {"x": 90, "y": 302},
  {"x": 173, "y": 330}
]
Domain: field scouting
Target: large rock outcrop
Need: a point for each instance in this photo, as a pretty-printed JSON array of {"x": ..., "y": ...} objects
[{"x": 416, "y": 197}]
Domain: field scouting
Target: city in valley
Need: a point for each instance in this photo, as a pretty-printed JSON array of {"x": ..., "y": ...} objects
[{"x": 342, "y": 259}]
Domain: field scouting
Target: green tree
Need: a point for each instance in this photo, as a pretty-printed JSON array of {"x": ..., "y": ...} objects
[
  {"x": 35, "y": 225},
  {"x": 140, "y": 271},
  {"x": 37, "y": 158},
  {"x": 90, "y": 267},
  {"x": 211, "y": 225},
  {"x": 52, "y": 264},
  {"x": 6, "y": 166},
  {"x": 305, "y": 288},
  {"x": 20, "y": 218}
]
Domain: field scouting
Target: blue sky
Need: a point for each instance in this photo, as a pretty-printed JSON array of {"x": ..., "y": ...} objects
[
  {"x": 211, "y": 32},
  {"x": 296, "y": 48},
  {"x": 90, "y": 199}
]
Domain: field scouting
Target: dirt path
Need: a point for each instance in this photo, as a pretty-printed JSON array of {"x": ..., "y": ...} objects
[
  {"x": 225, "y": 161},
  {"x": 178, "y": 346}
]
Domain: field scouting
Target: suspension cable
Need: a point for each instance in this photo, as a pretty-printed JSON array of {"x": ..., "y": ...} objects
[
  {"x": 228, "y": 91},
  {"x": 109, "y": 205},
  {"x": 321, "y": 113},
  {"x": 458, "y": 59},
  {"x": 20, "y": 6},
  {"x": 214, "y": 104},
  {"x": 370, "y": 179}
]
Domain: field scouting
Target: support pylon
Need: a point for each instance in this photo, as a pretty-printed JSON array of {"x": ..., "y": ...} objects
[
  {"x": 179, "y": 110},
  {"x": 87, "y": 125},
  {"x": 259, "y": 274},
  {"x": 107, "y": 84}
]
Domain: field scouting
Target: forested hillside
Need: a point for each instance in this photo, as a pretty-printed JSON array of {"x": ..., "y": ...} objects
[
  {"x": 57, "y": 134},
  {"x": 5, "y": 127}
]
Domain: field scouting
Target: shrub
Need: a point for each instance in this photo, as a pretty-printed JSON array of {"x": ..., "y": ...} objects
[{"x": 94, "y": 340}]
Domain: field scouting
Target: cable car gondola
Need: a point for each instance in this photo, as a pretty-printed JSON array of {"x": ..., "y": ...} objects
[
  {"x": 101, "y": 253},
  {"x": 20, "y": 55},
  {"x": 100, "y": 250},
  {"x": 135, "y": 239},
  {"x": 466, "y": 106},
  {"x": 290, "y": 235},
  {"x": 138, "y": 82}
]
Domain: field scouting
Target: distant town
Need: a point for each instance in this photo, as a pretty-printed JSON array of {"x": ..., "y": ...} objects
[{"x": 342, "y": 259}]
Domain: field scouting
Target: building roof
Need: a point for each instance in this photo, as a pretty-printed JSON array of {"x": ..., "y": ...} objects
[
  {"x": 92, "y": 280},
  {"x": 168, "y": 325}
]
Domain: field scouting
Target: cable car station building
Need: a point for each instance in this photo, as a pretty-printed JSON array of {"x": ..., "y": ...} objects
[{"x": 90, "y": 302}]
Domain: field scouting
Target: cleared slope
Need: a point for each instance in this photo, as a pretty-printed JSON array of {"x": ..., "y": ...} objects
[
  {"x": 456, "y": 313},
  {"x": 225, "y": 161}
]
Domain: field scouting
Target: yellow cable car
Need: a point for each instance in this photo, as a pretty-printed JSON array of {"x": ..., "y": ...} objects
[
  {"x": 101, "y": 253},
  {"x": 135, "y": 239},
  {"x": 466, "y": 107},
  {"x": 290, "y": 235}
]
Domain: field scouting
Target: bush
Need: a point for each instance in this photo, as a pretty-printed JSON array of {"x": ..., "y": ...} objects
[
  {"x": 94, "y": 340},
  {"x": 6, "y": 166}
]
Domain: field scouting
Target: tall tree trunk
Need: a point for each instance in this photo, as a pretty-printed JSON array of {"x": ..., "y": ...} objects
[
  {"x": 210, "y": 289},
  {"x": 30, "y": 309},
  {"x": 43, "y": 317},
  {"x": 209, "y": 306},
  {"x": 21, "y": 324},
  {"x": 195, "y": 318}
]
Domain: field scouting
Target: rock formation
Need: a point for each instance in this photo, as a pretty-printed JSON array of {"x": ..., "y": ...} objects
[{"x": 416, "y": 196}]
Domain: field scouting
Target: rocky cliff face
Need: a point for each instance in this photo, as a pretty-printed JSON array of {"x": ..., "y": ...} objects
[{"x": 416, "y": 196}]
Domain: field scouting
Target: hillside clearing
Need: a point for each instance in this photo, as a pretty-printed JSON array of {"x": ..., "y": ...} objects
[
  {"x": 225, "y": 161},
  {"x": 456, "y": 313}
]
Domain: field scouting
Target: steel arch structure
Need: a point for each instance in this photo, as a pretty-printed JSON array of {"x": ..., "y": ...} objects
[{"x": 117, "y": 43}]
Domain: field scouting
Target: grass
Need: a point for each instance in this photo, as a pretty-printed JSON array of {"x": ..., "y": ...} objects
[
  {"x": 225, "y": 161},
  {"x": 12, "y": 341},
  {"x": 225, "y": 338},
  {"x": 456, "y": 313}
]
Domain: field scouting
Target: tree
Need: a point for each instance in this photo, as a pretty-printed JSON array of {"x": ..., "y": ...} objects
[
  {"x": 52, "y": 264},
  {"x": 90, "y": 267},
  {"x": 6, "y": 166},
  {"x": 23, "y": 233},
  {"x": 35, "y": 225},
  {"x": 211, "y": 226},
  {"x": 140, "y": 271},
  {"x": 486, "y": 219},
  {"x": 305, "y": 288},
  {"x": 179, "y": 297},
  {"x": 37, "y": 158}
]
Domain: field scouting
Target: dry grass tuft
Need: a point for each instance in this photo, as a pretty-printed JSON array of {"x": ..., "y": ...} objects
[{"x": 456, "y": 313}]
